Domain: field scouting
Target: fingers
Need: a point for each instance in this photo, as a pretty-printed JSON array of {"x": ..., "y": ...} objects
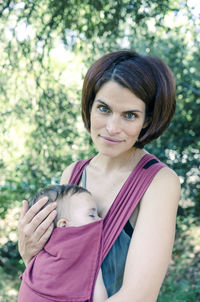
[
  {"x": 46, "y": 235},
  {"x": 35, "y": 209},
  {"x": 24, "y": 208},
  {"x": 42, "y": 234},
  {"x": 36, "y": 219},
  {"x": 43, "y": 227},
  {"x": 46, "y": 215}
]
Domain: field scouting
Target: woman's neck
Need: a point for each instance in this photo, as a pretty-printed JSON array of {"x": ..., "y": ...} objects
[{"x": 125, "y": 162}]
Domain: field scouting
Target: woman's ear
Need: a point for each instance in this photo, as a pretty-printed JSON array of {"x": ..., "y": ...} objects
[{"x": 62, "y": 223}]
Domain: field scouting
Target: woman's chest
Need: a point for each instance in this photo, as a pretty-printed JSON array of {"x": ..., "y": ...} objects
[{"x": 105, "y": 189}]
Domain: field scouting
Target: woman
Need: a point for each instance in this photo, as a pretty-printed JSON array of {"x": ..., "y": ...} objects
[{"x": 127, "y": 101}]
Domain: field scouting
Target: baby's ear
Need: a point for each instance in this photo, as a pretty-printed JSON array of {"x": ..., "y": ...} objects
[{"x": 62, "y": 223}]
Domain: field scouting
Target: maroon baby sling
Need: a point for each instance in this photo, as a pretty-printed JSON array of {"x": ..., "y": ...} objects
[{"x": 74, "y": 255}]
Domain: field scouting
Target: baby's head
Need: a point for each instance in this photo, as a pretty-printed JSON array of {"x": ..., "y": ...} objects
[{"x": 75, "y": 205}]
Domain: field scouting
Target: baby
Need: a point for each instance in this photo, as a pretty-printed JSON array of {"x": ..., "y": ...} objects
[{"x": 75, "y": 208}]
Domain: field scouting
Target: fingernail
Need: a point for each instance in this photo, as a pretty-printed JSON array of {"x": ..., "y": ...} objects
[{"x": 54, "y": 204}]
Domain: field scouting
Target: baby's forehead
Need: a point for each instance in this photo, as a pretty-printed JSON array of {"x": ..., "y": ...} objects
[{"x": 82, "y": 198}]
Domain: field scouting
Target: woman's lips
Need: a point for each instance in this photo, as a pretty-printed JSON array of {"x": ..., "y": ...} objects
[{"x": 111, "y": 140}]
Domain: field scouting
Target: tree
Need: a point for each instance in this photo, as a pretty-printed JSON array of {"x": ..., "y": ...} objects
[{"x": 31, "y": 29}]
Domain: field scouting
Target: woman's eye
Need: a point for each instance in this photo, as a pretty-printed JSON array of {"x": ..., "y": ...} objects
[
  {"x": 91, "y": 215},
  {"x": 130, "y": 115},
  {"x": 103, "y": 109}
]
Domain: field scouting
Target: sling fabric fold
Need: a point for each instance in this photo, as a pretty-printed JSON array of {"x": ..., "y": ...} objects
[{"x": 75, "y": 262}]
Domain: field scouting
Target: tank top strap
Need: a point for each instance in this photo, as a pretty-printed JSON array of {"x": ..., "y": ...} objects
[
  {"x": 77, "y": 172},
  {"x": 83, "y": 178}
]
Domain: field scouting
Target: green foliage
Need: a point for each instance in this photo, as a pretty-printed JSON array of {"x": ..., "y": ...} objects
[
  {"x": 10, "y": 257},
  {"x": 182, "y": 281},
  {"x": 9, "y": 285}
]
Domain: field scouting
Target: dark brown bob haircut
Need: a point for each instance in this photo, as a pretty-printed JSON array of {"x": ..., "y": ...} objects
[{"x": 149, "y": 78}]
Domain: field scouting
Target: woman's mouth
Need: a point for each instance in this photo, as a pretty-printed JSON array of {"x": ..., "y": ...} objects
[{"x": 111, "y": 140}]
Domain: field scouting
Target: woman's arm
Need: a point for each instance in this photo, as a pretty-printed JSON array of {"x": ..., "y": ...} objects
[
  {"x": 100, "y": 293},
  {"x": 35, "y": 225},
  {"x": 151, "y": 245}
]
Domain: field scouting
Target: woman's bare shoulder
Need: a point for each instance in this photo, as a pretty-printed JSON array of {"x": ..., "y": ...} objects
[
  {"x": 164, "y": 189},
  {"x": 67, "y": 173},
  {"x": 165, "y": 186},
  {"x": 167, "y": 177}
]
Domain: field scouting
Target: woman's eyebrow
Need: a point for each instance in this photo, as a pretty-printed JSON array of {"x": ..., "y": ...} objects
[
  {"x": 134, "y": 110},
  {"x": 102, "y": 102}
]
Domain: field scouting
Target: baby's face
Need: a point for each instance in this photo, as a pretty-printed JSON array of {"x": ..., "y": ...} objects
[{"x": 82, "y": 209}]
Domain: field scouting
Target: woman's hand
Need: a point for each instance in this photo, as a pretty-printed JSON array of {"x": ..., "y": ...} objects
[{"x": 35, "y": 228}]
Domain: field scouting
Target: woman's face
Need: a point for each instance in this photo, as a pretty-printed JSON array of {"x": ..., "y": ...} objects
[{"x": 117, "y": 118}]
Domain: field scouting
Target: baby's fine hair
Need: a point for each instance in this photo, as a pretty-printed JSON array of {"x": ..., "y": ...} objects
[{"x": 56, "y": 193}]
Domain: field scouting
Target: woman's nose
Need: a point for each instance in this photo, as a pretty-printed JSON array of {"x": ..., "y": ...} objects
[{"x": 113, "y": 125}]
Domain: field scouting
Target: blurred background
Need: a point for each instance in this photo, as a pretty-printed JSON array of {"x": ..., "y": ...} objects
[{"x": 45, "y": 50}]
